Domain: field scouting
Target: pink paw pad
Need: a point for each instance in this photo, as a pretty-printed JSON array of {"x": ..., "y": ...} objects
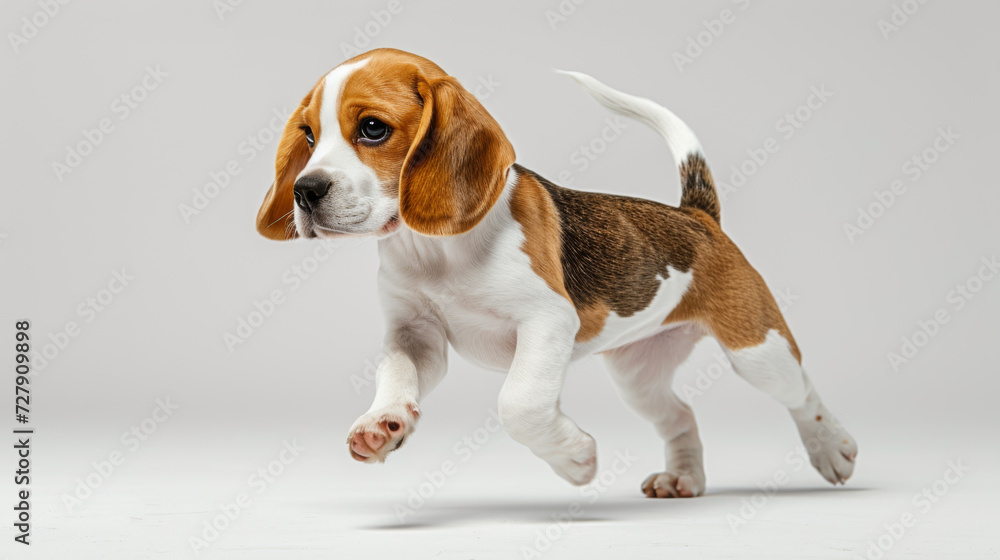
[{"x": 371, "y": 442}]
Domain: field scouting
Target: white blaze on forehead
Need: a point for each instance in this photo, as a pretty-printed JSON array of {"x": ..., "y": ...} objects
[
  {"x": 333, "y": 86},
  {"x": 332, "y": 152}
]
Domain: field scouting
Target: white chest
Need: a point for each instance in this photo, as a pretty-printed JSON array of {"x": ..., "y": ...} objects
[
  {"x": 480, "y": 293},
  {"x": 479, "y": 329}
]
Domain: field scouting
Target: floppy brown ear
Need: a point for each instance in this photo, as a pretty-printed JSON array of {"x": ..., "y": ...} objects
[
  {"x": 276, "y": 218},
  {"x": 457, "y": 164}
]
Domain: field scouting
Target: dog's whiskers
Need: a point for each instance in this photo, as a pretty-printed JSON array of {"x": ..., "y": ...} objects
[{"x": 281, "y": 218}]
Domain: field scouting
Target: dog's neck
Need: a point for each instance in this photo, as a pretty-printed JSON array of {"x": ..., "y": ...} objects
[{"x": 442, "y": 253}]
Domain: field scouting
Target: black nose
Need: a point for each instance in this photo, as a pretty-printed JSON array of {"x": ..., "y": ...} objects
[{"x": 308, "y": 190}]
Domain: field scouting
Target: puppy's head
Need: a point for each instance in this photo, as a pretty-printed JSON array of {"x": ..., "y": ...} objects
[{"x": 384, "y": 138}]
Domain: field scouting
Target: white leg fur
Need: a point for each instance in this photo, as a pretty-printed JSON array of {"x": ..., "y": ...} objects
[
  {"x": 643, "y": 372},
  {"x": 773, "y": 369},
  {"x": 529, "y": 400},
  {"x": 415, "y": 361}
]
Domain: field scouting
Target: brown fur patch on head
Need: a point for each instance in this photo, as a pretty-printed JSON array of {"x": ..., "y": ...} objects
[
  {"x": 275, "y": 219},
  {"x": 385, "y": 88},
  {"x": 446, "y": 158}
]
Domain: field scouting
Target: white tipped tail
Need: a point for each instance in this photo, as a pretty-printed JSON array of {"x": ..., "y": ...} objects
[{"x": 696, "y": 180}]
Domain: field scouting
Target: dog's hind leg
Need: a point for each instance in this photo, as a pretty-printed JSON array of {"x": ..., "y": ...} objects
[
  {"x": 643, "y": 372},
  {"x": 772, "y": 367},
  {"x": 731, "y": 300}
]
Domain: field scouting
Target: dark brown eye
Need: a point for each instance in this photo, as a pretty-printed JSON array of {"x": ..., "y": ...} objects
[
  {"x": 309, "y": 136},
  {"x": 372, "y": 130}
]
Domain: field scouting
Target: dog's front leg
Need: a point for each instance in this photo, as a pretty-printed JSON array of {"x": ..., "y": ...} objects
[
  {"x": 414, "y": 362},
  {"x": 529, "y": 400}
]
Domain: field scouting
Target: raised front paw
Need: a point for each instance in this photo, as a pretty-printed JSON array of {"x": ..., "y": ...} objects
[
  {"x": 380, "y": 432},
  {"x": 575, "y": 461}
]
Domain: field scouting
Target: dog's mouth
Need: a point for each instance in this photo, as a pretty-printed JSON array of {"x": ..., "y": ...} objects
[
  {"x": 390, "y": 226},
  {"x": 333, "y": 230},
  {"x": 310, "y": 225}
]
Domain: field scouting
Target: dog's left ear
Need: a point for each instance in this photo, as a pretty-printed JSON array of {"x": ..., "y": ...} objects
[
  {"x": 276, "y": 217},
  {"x": 457, "y": 164}
]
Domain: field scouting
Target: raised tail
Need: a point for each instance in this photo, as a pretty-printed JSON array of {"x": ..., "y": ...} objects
[{"x": 698, "y": 189}]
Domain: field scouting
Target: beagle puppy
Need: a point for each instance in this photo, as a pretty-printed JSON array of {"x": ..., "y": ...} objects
[{"x": 523, "y": 276}]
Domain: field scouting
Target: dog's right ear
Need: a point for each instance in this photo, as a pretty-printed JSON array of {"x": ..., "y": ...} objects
[{"x": 276, "y": 217}]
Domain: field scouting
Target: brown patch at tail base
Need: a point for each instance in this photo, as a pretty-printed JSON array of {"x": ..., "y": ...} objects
[{"x": 729, "y": 297}]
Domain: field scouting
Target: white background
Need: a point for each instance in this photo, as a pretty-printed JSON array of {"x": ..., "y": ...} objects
[{"x": 300, "y": 376}]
